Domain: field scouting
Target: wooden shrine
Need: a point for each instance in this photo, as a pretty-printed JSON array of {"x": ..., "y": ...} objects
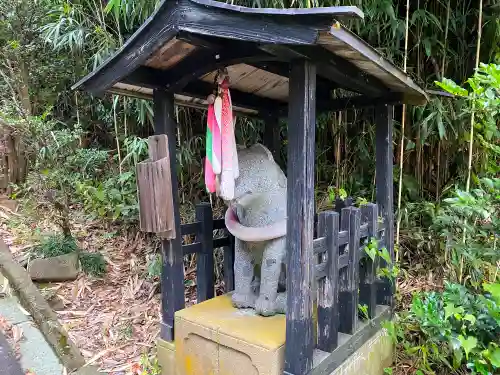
[{"x": 282, "y": 63}]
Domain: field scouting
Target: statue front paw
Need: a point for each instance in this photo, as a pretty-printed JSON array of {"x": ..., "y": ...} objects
[
  {"x": 265, "y": 307},
  {"x": 242, "y": 301}
]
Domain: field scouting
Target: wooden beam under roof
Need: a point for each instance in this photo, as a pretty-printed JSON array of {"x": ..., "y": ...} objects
[
  {"x": 206, "y": 17},
  {"x": 330, "y": 67}
]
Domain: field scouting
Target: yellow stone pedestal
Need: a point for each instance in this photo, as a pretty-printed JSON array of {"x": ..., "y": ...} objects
[{"x": 214, "y": 338}]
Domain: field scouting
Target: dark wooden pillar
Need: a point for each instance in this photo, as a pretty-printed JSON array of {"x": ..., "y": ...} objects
[
  {"x": 384, "y": 184},
  {"x": 271, "y": 138},
  {"x": 205, "y": 260},
  {"x": 172, "y": 273},
  {"x": 300, "y": 224}
]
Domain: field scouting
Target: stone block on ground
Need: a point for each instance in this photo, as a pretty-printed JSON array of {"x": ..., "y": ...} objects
[
  {"x": 34, "y": 303},
  {"x": 60, "y": 268}
]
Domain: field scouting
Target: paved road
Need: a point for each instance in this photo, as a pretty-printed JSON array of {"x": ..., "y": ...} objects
[{"x": 8, "y": 364}]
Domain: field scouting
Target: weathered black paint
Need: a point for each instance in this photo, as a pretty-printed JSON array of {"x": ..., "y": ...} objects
[
  {"x": 331, "y": 67},
  {"x": 384, "y": 185},
  {"x": 205, "y": 17},
  {"x": 155, "y": 78},
  {"x": 204, "y": 61},
  {"x": 368, "y": 267},
  {"x": 205, "y": 259},
  {"x": 340, "y": 204},
  {"x": 300, "y": 212},
  {"x": 328, "y": 307},
  {"x": 229, "y": 265},
  {"x": 348, "y": 294},
  {"x": 172, "y": 275}
]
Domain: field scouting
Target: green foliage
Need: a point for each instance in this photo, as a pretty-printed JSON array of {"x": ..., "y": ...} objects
[
  {"x": 93, "y": 264},
  {"x": 453, "y": 329},
  {"x": 482, "y": 97},
  {"x": 459, "y": 328},
  {"x": 390, "y": 269},
  {"x": 114, "y": 198},
  {"x": 154, "y": 266},
  {"x": 55, "y": 245},
  {"x": 148, "y": 366},
  {"x": 66, "y": 175},
  {"x": 469, "y": 223},
  {"x": 363, "y": 310}
]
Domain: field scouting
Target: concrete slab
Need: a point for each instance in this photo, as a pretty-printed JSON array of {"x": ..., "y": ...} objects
[
  {"x": 10, "y": 310},
  {"x": 36, "y": 354}
]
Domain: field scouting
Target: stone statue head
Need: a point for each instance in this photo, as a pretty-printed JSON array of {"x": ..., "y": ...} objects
[{"x": 259, "y": 173}]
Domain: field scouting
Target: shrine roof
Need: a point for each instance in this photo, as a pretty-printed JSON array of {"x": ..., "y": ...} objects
[{"x": 184, "y": 43}]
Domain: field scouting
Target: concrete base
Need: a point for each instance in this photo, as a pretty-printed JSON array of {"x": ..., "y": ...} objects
[
  {"x": 214, "y": 338},
  {"x": 370, "y": 359}
]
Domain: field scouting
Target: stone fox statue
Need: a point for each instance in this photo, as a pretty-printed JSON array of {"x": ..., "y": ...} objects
[{"x": 257, "y": 218}]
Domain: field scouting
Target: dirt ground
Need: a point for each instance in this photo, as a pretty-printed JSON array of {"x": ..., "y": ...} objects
[{"x": 113, "y": 320}]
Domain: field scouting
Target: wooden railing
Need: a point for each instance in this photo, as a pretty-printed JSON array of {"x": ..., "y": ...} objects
[
  {"x": 346, "y": 277},
  {"x": 204, "y": 246},
  {"x": 13, "y": 165}
]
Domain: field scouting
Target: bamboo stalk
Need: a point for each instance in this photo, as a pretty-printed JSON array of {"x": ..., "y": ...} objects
[
  {"x": 115, "y": 101},
  {"x": 401, "y": 145},
  {"x": 471, "y": 141},
  {"x": 443, "y": 66}
]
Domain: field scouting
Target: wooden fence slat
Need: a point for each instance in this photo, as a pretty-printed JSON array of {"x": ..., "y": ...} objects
[
  {"x": 328, "y": 226},
  {"x": 205, "y": 259},
  {"x": 229, "y": 266},
  {"x": 340, "y": 204},
  {"x": 385, "y": 185},
  {"x": 348, "y": 294},
  {"x": 368, "y": 267},
  {"x": 190, "y": 228}
]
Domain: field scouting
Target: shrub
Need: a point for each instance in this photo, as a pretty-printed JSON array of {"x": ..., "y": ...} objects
[
  {"x": 469, "y": 223},
  {"x": 450, "y": 330},
  {"x": 93, "y": 264},
  {"x": 56, "y": 245}
]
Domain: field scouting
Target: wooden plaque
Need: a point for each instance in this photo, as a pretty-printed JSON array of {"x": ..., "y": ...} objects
[{"x": 154, "y": 188}]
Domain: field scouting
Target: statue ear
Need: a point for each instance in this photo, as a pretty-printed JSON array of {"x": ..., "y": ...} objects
[{"x": 264, "y": 150}]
